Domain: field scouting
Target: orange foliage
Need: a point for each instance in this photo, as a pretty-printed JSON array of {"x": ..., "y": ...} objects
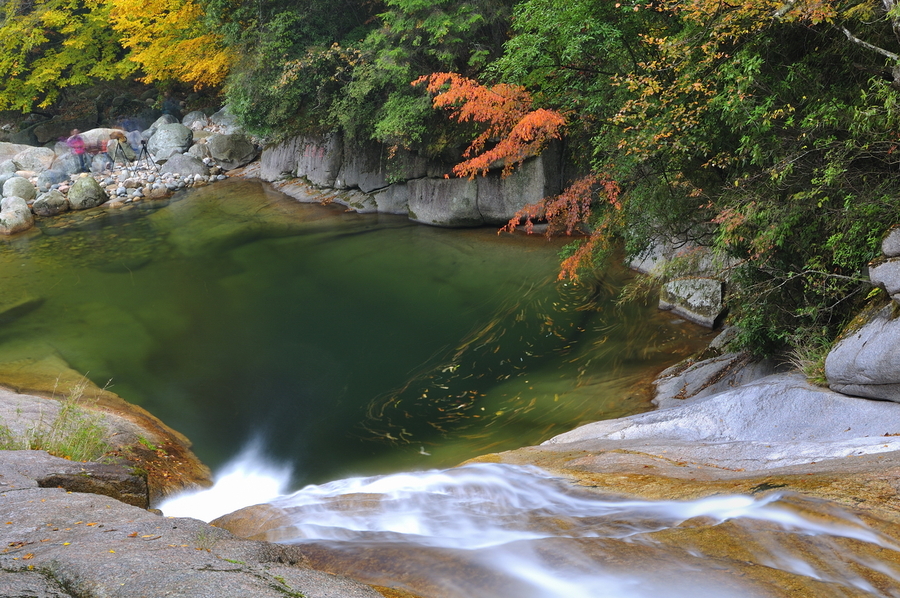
[
  {"x": 567, "y": 212},
  {"x": 520, "y": 132}
]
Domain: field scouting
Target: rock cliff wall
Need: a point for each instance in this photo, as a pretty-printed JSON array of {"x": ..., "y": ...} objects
[{"x": 371, "y": 178}]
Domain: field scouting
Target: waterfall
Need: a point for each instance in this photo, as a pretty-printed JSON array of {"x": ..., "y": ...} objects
[{"x": 488, "y": 530}]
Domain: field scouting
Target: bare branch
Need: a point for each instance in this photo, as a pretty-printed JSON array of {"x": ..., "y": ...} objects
[{"x": 869, "y": 46}]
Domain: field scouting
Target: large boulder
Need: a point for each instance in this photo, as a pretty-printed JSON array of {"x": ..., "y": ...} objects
[
  {"x": 165, "y": 119},
  {"x": 51, "y": 177},
  {"x": 225, "y": 121},
  {"x": 865, "y": 362},
  {"x": 15, "y": 216},
  {"x": 170, "y": 139},
  {"x": 9, "y": 150},
  {"x": 184, "y": 164},
  {"x": 86, "y": 193},
  {"x": 887, "y": 275},
  {"x": 95, "y": 138},
  {"x": 231, "y": 151},
  {"x": 393, "y": 199},
  {"x": 67, "y": 163},
  {"x": 199, "y": 151},
  {"x": 694, "y": 379},
  {"x": 50, "y": 203},
  {"x": 698, "y": 300},
  {"x": 19, "y": 187},
  {"x": 195, "y": 120},
  {"x": 890, "y": 246},
  {"x": 499, "y": 198},
  {"x": 444, "y": 202},
  {"x": 35, "y": 159},
  {"x": 316, "y": 159},
  {"x": 369, "y": 167},
  {"x": 101, "y": 163}
]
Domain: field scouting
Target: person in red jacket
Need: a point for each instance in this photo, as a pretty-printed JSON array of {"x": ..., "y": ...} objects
[{"x": 76, "y": 143}]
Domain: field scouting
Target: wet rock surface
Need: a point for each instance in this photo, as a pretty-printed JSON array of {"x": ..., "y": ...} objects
[{"x": 60, "y": 543}]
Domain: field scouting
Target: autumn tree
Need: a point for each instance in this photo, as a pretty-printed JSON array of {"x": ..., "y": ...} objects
[
  {"x": 171, "y": 40},
  {"x": 51, "y": 45}
]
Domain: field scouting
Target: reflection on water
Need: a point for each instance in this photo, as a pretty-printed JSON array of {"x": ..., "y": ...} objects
[
  {"x": 353, "y": 344},
  {"x": 488, "y": 530}
]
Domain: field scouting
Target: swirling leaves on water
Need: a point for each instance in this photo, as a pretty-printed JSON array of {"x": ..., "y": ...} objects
[{"x": 563, "y": 333}]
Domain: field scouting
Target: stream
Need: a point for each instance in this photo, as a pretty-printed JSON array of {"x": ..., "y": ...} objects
[{"x": 337, "y": 367}]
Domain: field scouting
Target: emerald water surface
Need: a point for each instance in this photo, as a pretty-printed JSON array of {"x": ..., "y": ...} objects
[{"x": 349, "y": 344}]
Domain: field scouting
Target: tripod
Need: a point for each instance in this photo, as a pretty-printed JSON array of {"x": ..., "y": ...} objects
[{"x": 145, "y": 159}]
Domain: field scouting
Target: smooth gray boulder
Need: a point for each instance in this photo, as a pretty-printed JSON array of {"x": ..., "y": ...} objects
[
  {"x": 170, "y": 139},
  {"x": 165, "y": 119},
  {"x": 393, "y": 199},
  {"x": 30, "y": 468},
  {"x": 698, "y": 300},
  {"x": 15, "y": 216},
  {"x": 499, "y": 198},
  {"x": 231, "y": 151},
  {"x": 777, "y": 421},
  {"x": 184, "y": 164},
  {"x": 9, "y": 150},
  {"x": 444, "y": 202},
  {"x": 48, "y": 178},
  {"x": 372, "y": 166},
  {"x": 51, "y": 203},
  {"x": 101, "y": 163},
  {"x": 199, "y": 151},
  {"x": 318, "y": 160},
  {"x": 887, "y": 274},
  {"x": 225, "y": 121},
  {"x": 35, "y": 159},
  {"x": 8, "y": 167},
  {"x": 890, "y": 246},
  {"x": 19, "y": 187},
  {"x": 86, "y": 193},
  {"x": 866, "y": 362},
  {"x": 67, "y": 163},
  {"x": 695, "y": 379},
  {"x": 195, "y": 120}
]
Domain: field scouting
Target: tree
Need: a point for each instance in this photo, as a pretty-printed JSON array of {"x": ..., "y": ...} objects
[
  {"x": 54, "y": 45},
  {"x": 514, "y": 129},
  {"x": 171, "y": 40}
]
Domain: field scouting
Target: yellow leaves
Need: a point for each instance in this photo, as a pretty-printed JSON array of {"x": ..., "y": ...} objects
[{"x": 168, "y": 40}]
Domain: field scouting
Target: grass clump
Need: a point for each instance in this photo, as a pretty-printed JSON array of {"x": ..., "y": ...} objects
[{"x": 76, "y": 433}]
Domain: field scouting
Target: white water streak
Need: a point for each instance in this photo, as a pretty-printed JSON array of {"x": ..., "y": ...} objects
[{"x": 502, "y": 514}]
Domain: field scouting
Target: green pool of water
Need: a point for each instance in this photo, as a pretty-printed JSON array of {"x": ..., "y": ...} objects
[{"x": 350, "y": 344}]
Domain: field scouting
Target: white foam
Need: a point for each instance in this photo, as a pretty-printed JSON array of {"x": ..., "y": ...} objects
[{"x": 249, "y": 479}]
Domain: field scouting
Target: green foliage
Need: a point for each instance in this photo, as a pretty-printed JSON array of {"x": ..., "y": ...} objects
[{"x": 56, "y": 45}]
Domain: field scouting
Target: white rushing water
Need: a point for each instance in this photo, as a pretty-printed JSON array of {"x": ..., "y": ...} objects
[{"x": 490, "y": 530}]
